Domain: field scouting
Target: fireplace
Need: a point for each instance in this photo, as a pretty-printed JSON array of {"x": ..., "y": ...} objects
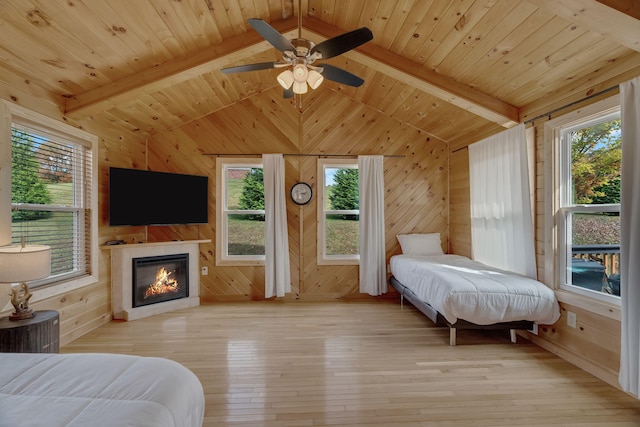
[
  {"x": 122, "y": 257},
  {"x": 160, "y": 278}
]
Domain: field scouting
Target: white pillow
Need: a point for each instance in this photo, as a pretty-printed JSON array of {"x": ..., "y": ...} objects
[{"x": 420, "y": 244}]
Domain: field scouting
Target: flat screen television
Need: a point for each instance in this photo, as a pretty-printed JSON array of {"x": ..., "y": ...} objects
[{"x": 141, "y": 197}]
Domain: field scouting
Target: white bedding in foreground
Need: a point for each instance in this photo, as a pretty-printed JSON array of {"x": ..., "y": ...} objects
[
  {"x": 461, "y": 288},
  {"x": 97, "y": 390}
]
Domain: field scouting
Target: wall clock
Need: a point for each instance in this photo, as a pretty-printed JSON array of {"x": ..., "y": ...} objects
[{"x": 301, "y": 193}]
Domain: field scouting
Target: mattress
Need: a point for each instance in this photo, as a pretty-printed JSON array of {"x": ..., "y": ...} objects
[
  {"x": 97, "y": 390},
  {"x": 461, "y": 288}
]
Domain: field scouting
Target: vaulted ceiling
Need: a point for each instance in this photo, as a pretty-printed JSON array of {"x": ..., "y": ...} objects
[{"x": 447, "y": 67}]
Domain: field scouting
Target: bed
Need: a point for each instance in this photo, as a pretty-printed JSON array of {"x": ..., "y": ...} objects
[
  {"x": 97, "y": 390},
  {"x": 461, "y": 293}
]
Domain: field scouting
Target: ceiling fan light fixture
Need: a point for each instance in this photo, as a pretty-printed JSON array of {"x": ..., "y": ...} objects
[
  {"x": 300, "y": 73},
  {"x": 285, "y": 79},
  {"x": 315, "y": 79},
  {"x": 299, "y": 87}
]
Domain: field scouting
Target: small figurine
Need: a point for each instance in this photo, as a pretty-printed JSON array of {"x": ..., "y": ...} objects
[{"x": 20, "y": 300}]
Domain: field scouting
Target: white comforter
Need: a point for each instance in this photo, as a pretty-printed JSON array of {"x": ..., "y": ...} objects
[
  {"x": 460, "y": 288},
  {"x": 97, "y": 390}
]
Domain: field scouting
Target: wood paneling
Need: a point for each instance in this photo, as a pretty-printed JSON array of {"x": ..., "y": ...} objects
[
  {"x": 416, "y": 194},
  {"x": 449, "y": 68},
  {"x": 460, "y": 205}
]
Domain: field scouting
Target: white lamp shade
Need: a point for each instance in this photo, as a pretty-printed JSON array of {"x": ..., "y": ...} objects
[
  {"x": 285, "y": 79},
  {"x": 315, "y": 78},
  {"x": 300, "y": 87},
  {"x": 24, "y": 263}
]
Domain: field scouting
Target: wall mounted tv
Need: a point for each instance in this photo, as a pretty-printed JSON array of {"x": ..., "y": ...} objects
[{"x": 141, "y": 197}]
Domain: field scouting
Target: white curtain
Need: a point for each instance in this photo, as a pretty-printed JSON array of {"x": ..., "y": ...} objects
[
  {"x": 501, "y": 222},
  {"x": 373, "y": 275},
  {"x": 277, "y": 280},
  {"x": 629, "y": 376}
]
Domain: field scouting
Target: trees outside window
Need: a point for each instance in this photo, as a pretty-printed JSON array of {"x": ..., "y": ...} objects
[
  {"x": 51, "y": 201},
  {"x": 240, "y": 231},
  {"x": 588, "y": 156},
  {"x": 338, "y": 212}
]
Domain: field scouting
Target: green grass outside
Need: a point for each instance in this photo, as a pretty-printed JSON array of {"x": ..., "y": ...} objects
[{"x": 234, "y": 191}]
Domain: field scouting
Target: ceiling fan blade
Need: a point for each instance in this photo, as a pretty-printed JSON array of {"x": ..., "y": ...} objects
[
  {"x": 342, "y": 43},
  {"x": 269, "y": 33},
  {"x": 288, "y": 93},
  {"x": 250, "y": 67},
  {"x": 339, "y": 75}
]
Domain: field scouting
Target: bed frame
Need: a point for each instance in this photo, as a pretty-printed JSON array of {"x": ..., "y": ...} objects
[{"x": 438, "y": 319}]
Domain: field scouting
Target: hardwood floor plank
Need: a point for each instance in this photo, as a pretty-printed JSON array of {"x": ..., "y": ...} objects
[{"x": 362, "y": 363}]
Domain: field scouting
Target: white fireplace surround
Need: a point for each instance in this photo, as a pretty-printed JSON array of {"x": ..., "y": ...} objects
[{"x": 122, "y": 277}]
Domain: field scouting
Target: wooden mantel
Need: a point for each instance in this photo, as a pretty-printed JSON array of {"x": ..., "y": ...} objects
[{"x": 173, "y": 242}]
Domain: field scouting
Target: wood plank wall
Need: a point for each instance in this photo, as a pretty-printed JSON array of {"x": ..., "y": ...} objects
[
  {"x": 416, "y": 193},
  {"x": 594, "y": 345},
  {"x": 460, "y": 205},
  {"x": 120, "y": 144}
]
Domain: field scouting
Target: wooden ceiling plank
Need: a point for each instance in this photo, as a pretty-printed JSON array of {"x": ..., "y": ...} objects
[
  {"x": 145, "y": 12},
  {"x": 624, "y": 69},
  {"x": 205, "y": 60},
  {"x": 558, "y": 68},
  {"x": 532, "y": 31},
  {"x": 535, "y": 59},
  {"x": 598, "y": 17},
  {"x": 485, "y": 42},
  {"x": 422, "y": 42},
  {"x": 453, "y": 26},
  {"x": 428, "y": 81},
  {"x": 395, "y": 18}
]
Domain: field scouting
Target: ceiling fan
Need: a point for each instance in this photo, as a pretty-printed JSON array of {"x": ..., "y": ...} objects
[{"x": 299, "y": 55}]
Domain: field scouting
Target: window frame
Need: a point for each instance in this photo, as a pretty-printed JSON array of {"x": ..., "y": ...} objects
[
  {"x": 222, "y": 213},
  {"x": 322, "y": 257},
  {"x": 559, "y": 208},
  {"x": 13, "y": 113}
]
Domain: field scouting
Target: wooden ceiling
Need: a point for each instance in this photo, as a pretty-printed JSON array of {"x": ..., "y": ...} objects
[{"x": 448, "y": 68}]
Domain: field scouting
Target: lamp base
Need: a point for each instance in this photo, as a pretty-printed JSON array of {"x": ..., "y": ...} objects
[
  {"x": 24, "y": 314},
  {"x": 20, "y": 300}
]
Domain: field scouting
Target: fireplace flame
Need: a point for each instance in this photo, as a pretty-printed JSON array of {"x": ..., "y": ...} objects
[{"x": 163, "y": 284}]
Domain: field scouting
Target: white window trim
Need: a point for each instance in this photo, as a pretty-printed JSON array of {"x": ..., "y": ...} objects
[
  {"x": 606, "y": 305},
  {"x": 15, "y": 113},
  {"x": 323, "y": 258},
  {"x": 222, "y": 259}
]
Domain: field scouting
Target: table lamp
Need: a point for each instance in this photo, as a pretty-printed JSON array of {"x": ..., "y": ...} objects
[{"x": 20, "y": 264}]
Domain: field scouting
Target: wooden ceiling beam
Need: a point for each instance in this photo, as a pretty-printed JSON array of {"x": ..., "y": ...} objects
[
  {"x": 416, "y": 75},
  {"x": 155, "y": 79},
  {"x": 614, "y": 19},
  {"x": 251, "y": 43}
]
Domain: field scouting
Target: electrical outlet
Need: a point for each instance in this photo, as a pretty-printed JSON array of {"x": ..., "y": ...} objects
[
  {"x": 204, "y": 270},
  {"x": 571, "y": 319}
]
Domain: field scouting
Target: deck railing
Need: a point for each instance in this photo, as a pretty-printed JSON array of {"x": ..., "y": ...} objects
[{"x": 607, "y": 255}]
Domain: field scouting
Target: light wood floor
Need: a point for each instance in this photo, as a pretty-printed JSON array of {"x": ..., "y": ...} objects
[{"x": 362, "y": 363}]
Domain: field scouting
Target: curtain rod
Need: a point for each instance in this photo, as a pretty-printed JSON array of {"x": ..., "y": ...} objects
[
  {"x": 548, "y": 114},
  {"x": 298, "y": 155}
]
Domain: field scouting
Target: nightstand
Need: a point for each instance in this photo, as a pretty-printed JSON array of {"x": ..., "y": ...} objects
[{"x": 39, "y": 334}]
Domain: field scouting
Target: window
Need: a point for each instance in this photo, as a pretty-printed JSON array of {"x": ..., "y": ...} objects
[
  {"x": 240, "y": 231},
  {"x": 588, "y": 157},
  {"x": 338, "y": 212},
  {"x": 51, "y": 202}
]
